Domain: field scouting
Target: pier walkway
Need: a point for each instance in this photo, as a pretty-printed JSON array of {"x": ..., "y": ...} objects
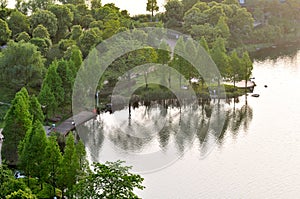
[{"x": 70, "y": 124}]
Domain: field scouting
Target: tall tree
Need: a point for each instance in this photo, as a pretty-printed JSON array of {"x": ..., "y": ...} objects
[
  {"x": 22, "y": 65},
  {"x": 5, "y": 32},
  {"x": 95, "y": 4},
  {"x": 76, "y": 57},
  {"x": 45, "y": 18},
  {"x": 174, "y": 14},
  {"x": 152, "y": 7},
  {"x": 54, "y": 81},
  {"x": 47, "y": 100},
  {"x": 247, "y": 67},
  {"x": 178, "y": 61},
  {"x": 70, "y": 165},
  {"x": 188, "y": 4},
  {"x": 64, "y": 20},
  {"x": 66, "y": 75},
  {"x": 17, "y": 122},
  {"x": 164, "y": 57},
  {"x": 32, "y": 152},
  {"x": 219, "y": 56},
  {"x": 204, "y": 44},
  {"x": 35, "y": 110},
  {"x": 191, "y": 54},
  {"x": 236, "y": 71},
  {"x": 89, "y": 39},
  {"x": 41, "y": 32},
  {"x": 23, "y": 36},
  {"x": 34, "y": 5},
  {"x": 53, "y": 159},
  {"x": 18, "y": 22},
  {"x": 76, "y": 32}
]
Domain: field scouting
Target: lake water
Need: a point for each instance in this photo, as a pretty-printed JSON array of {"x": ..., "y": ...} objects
[{"x": 256, "y": 155}]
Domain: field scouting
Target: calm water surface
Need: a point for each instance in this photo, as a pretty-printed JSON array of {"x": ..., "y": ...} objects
[{"x": 256, "y": 156}]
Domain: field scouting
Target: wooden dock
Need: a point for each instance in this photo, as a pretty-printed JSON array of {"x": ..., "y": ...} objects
[{"x": 70, "y": 124}]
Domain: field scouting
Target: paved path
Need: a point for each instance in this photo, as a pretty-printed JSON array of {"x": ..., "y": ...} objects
[{"x": 71, "y": 123}]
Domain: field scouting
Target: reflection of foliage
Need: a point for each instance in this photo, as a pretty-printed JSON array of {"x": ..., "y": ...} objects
[
  {"x": 92, "y": 136},
  {"x": 208, "y": 122}
]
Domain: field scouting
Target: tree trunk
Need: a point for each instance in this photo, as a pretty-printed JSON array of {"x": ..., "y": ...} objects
[{"x": 169, "y": 79}]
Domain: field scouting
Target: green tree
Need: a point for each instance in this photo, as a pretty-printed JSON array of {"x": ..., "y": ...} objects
[
  {"x": 247, "y": 67},
  {"x": 18, "y": 23},
  {"x": 81, "y": 154},
  {"x": 188, "y": 4},
  {"x": 69, "y": 165},
  {"x": 8, "y": 184},
  {"x": 5, "y": 32},
  {"x": 191, "y": 54},
  {"x": 194, "y": 16},
  {"x": 88, "y": 40},
  {"x": 110, "y": 180},
  {"x": 164, "y": 57},
  {"x": 111, "y": 27},
  {"x": 174, "y": 14},
  {"x": 22, "y": 65},
  {"x": 76, "y": 57},
  {"x": 64, "y": 18},
  {"x": 152, "y": 7},
  {"x": 76, "y": 32},
  {"x": 17, "y": 122},
  {"x": 35, "y": 109},
  {"x": 222, "y": 28},
  {"x": 219, "y": 56},
  {"x": 47, "y": 100},
  {"x": 43, "y": 44},
  {"x": 41, "y": 32},
  {"x": 236, "y": 71},
  {"x": 23, "y": 36},
  {"x": 67, "y": 78},
  {"x": 54, "y": 81},
  {"x": 75, "y": 2},
  {"x": 32, "y": 152},
  {"x": 34, "y": 5},
  {"x": 204, "y": 44},
  {"x": 86, "y": 21},
  {"x": 20, "y": 194},
  {"x": 178, "y": 61},
  {"x": 95, "y": 4},
  {"x": 53, "y": 159},
  {"x": 45, "y": 18}
]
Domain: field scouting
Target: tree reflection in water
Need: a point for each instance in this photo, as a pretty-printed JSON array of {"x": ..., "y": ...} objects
[{"x": 164, "y": 124}]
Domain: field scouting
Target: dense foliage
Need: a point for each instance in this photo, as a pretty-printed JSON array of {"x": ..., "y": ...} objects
[{"x": 43, "y": 45}]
